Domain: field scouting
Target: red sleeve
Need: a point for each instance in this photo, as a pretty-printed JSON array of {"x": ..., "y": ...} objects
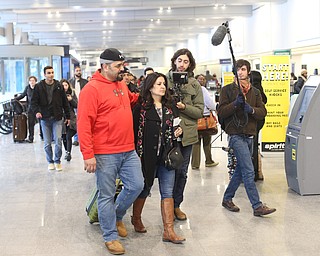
[{"x": 87, "y": 114}]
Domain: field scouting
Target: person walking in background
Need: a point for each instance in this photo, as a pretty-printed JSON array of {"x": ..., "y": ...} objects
[
  {"x": 240, "y": 113},
  {"x": 190, "y": 106},
  {"x": 209, "y": 106},
  {"x": 77, "y": 83},
  {"x": 50, "y": 103},
  {"x": 300, "y": 82},
  {"x": 28, "y": 93},
  {"x": 154, "y": 135},
  {"x": 255, "y": 80},
  {"x": 105, "y": 128},
  {"x": 69, "y": 130}
]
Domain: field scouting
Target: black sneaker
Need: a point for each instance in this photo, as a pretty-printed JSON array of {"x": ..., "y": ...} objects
[
  {"x": 29, "y": 141},
  {"x": 229, "y": 205}
]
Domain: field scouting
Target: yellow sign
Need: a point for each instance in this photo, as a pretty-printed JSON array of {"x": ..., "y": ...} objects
[
  {"x": 228, "y": 78},
  {"x": 275, "y": 71}
]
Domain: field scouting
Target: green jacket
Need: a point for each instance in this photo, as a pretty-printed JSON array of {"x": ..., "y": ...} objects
[{"x": 193, "y": 99}]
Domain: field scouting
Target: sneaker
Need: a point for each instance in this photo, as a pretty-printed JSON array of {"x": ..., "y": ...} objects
[
  {"x": 51, "y": 166},
  {"x": 263, "y": 210},
  {"x": 115, "y": 247},
  {"x": 29, "y": 141},
  {"x": 58, "y": 167},
  {"x": 229, "y": 205},
  {"x": 75, "y": 143},
  {"x": 195, "y": 168},
  {"x": 212, "y": 164},
  {"x": 122, "y": 231},
  {"x": 68, "y": 158}
]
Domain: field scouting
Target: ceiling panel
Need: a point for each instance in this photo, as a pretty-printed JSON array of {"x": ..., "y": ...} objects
[{"x": 131, "y": 26}]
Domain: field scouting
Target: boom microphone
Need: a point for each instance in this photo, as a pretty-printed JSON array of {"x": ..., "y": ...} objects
[{"x": 219, "y": 35}]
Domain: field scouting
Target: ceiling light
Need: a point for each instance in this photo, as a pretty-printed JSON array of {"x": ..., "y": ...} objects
[
  {"x": 58, "y": 25},
  {"x": 58, "y": 14},
  {"x": 104, "y": 31},
  {"x": 223, "y": 6},
  {"x": 161, "y": 9},
  {"x": 113, "y": 12},
  {"x": 104, "y": 23},
  {"x": 111, "y": 23},
  {"x": 169, "y": 9},
  {"x": 151, "y": 20},
  {"x": 49, "y": 14},
  {"x": 105, "y": 13}
]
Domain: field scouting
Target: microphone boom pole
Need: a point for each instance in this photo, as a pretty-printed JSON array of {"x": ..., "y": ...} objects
[{"x": 234, "y": 69}]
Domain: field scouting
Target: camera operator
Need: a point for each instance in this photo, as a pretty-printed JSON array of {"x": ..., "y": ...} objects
[{"x": 189, "y": 100}]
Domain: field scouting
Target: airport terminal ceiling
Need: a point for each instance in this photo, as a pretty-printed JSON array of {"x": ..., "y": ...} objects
[{"x": 131, "y": 26}]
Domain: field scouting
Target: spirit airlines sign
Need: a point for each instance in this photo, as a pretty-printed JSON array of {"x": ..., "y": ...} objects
[{"x": 275, "y": 71}]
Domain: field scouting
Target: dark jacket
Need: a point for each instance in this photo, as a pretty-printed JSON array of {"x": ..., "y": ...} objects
[
  {"x": 73, "y": 105},
  {"x": 230, "y": 113},
  {"x": 59, "y": 105},
  {"x": 28, "y": 91},
  {"x": 150, "y": 134},
  {"x": 299, "y": 84},
  {"x": 83, "y": 82}
]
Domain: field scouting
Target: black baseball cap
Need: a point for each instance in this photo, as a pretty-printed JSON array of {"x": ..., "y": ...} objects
[{"x": 110, "y": 55}]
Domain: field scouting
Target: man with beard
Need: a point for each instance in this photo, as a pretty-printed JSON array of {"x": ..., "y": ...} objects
[
  {"x": 190, "y": 106},
  {"x": 77, "y": 83},
  {"x": 105, "y": 128},
  {"x": 240, "y": 112}
]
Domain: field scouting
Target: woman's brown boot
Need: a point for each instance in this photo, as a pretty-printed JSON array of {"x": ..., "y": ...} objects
[
  {"x": 167, "y": 217},
  {"x": 136, "y": 217}
]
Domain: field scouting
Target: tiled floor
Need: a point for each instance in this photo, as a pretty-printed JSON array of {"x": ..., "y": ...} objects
[{"x": 43, "y": 212}]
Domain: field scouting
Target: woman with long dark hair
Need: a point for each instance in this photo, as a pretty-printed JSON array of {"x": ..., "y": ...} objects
[
  {"x": 154, "y": 129},
  {"x": 69, "y": 131}
]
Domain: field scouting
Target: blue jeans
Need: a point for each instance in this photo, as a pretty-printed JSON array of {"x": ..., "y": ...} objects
[
  {"x": 75, "y": 137},
  {"x": 181, "y": 176},
  {"x": 242, "y": 148},
  {"x": 166, "y": 183},
  {"x": 127, "y": 166},
  {"x": 52, "y": 130}
]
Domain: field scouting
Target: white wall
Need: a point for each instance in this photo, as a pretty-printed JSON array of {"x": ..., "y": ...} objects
[{"x": 289, "y": 25}]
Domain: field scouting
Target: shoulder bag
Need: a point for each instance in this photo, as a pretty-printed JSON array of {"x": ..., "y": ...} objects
[{"x": 208, "y": 125}]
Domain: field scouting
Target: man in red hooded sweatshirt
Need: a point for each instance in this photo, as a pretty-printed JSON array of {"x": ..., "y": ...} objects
[{"x": 105, "y": 129}]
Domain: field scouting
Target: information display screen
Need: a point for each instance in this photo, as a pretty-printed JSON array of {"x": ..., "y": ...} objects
[{"x": 307, "y": 95}]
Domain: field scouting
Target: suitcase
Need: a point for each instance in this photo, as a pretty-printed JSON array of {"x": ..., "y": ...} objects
[
  {"x": 92, "y": 204},
  {"x": 19, "y": 128}
]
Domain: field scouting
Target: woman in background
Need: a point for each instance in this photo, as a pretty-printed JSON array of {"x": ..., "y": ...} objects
[{"x": 69, "y": 131}]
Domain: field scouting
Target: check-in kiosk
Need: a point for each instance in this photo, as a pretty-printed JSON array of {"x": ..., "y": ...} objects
[{"x": 302, "y": 146}]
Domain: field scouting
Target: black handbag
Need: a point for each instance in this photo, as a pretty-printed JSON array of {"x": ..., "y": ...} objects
[{"x": 174, "y": 158}]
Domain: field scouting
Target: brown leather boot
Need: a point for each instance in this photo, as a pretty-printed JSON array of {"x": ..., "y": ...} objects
[
  {"x": 115, "y": 247},
  {"x": 122, "y": 231},
  {"x": 136, "y": 217},
  {"x": 180, "y": 215},
  {"x": 167, "y": 217}
]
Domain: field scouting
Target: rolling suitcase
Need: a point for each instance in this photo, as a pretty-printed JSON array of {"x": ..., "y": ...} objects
[
  {"x": 92, "y": 205},
  {"x": 19, "y": 128}
]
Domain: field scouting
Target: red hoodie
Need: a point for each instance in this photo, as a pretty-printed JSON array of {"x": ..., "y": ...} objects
[{"x": 105, "y": 123}]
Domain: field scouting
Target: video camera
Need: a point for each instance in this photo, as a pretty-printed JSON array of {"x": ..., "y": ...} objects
[{"x": 179, "y": 78}]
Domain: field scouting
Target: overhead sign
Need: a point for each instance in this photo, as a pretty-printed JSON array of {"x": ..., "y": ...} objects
[{"x": 225, "y": 61}]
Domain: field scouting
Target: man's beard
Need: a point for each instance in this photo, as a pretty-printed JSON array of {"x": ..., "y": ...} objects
[
  {"x": 119, "y": 78},
  {"x": 78, "y": 75}
]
